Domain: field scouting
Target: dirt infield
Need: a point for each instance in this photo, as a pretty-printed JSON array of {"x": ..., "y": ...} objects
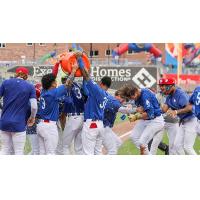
[{"x": 123, "y": 128}]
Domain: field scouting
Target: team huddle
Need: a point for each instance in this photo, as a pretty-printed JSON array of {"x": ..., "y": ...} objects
[{"x": 77, "y": 118}]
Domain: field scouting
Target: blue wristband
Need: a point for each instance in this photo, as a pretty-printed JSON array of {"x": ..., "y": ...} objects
[
  {"x": 80, "y": 63},
  {"x": 123, "y": 117}
]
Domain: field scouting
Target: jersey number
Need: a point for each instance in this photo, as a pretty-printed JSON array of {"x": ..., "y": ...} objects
[
  {"x": 103, "y": 103},
  {"x": 78, "y": 93},
  {"x": 43, "y": 103},
  {"x": 198, "y": 99}
]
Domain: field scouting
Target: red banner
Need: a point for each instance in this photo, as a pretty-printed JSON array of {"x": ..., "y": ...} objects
[{"x": 185, "y": 78}]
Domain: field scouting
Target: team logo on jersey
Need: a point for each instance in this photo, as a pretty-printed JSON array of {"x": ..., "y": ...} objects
[
  {"x": 147, "y": 103},
  {"x": 103, "y": 104},
  {"x": 144, "y": 79}
]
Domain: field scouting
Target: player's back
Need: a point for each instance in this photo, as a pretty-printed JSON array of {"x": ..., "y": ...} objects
[
  {"x": 49, "y": 103},
  {"x": 75, "y": 100},
  {"x": 96, "y": 101},
  {"x": 147, "y": 94},
  {"x": 110, "y": 112},
  {"x": 16, "y": 93}
]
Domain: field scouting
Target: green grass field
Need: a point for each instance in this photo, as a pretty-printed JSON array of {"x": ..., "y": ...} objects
[
  {"x": 128, "y": 148},
  {"x": 119, "y": 120}
]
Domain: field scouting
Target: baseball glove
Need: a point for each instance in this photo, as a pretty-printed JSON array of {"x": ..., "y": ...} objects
[{"x": 134, "y": 117}]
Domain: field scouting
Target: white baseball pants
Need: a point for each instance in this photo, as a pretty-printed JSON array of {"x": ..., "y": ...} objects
[
  {"x": 34, "y": 141},
  {"x": 91, "y": 137},
  {"x": 185, "y": 137},
  {"x": 72, "y": 132},
  {"x": 145, "y": 130},
  {"x": 198, "y": 127},
  {"x": 171, "y": 129},
  {"x": 59, "y": 148},
  {"x": 48, "y": 137},
  {"x": 12, "y": 141},
  {"x": 111, "y": 141},
  {"x": 156, "y": 141}
]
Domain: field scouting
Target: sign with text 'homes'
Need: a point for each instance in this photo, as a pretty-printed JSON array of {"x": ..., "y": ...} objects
[{"x": 139, "y": 76}]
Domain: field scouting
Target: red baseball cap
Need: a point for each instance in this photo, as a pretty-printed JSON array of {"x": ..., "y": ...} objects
[
  {"x": 166, "y": 81},
  {"x": 22, "y": 70}
]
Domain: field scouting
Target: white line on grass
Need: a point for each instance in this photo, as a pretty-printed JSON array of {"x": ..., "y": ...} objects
[{"x": 125, "y": 134}]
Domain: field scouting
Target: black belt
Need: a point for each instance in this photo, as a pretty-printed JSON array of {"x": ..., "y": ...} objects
[
  {"x": 182, "y": 121},
  {"x": 74, "y": 114},
  {"x": 93, "y": 120}
]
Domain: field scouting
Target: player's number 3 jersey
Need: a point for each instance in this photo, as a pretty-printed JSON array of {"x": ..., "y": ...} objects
[
  {"x": 49, "y": 103},
  {"x": 74, "y": 100},
  {"x": 96, "y": 102}
]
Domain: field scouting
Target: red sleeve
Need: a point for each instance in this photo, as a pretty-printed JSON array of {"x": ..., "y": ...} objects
[{"x": 55, "y": 68}]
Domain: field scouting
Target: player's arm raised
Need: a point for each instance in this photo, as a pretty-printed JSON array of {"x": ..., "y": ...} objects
[
  {"x": 85, "y": 73},
  {"x": 70, "y": 78}
]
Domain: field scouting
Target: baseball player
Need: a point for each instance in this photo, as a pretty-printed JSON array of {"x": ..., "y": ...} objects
[
  {"x": 61, "y": 121},
  {"x": 16, "y": 93},
  {"x": 111, "y": 141},
  {"x": 72, "y": 104},
  {"x": 74, "y": 109},
  {"x": 177, "y": 104},
  {"x": 49, "y": 112},
  {"x": 150, "y": 121},
  {"x": 171, "y": 127},
  {"x": 31, "y": 131},
  {"x": 94, "y": 110}
]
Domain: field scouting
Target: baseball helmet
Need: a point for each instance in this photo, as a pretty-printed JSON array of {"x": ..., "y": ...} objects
[{"x": 166, "y": 81}]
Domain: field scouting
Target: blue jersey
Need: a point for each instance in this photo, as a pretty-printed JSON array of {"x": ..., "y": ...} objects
[
  {"x": 195, "y": 100},
  {"x": 49, "y": 103},
  {"x": 97, "y": 99},
  {"x": 61, "y": 103},
  {"x": 74, "y": 100},
  {"x": 149, "y": 103},
  {"x": 110, "y": 111},
  {"x": 16, "y": 93},
  {"x": 179, "y": 100}
]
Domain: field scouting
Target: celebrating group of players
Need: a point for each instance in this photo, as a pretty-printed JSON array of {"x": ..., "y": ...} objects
[{"x": 55, "y": 118}]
